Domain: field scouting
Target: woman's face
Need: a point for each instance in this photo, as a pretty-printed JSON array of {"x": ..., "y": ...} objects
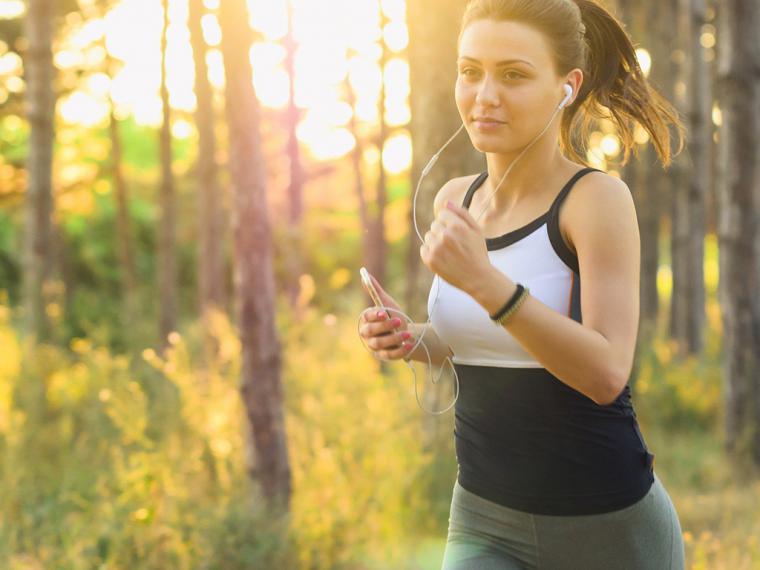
[{"x": 491, "y": 82}]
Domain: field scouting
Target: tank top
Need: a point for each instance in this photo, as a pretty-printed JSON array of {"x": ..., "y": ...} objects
[{"x": 523, "y": 438}]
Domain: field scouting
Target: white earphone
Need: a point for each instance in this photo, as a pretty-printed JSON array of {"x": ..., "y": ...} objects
[{"x": 568, "y": 95}]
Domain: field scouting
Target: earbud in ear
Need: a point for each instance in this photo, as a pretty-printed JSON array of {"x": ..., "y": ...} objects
[{"x": 568, "y": 95}]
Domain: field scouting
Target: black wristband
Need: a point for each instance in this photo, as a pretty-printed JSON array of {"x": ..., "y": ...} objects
[{"x": 512, "y": 300}]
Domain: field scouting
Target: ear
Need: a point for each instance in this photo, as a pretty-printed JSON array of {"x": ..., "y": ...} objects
[{"x": 575, "y": 79}]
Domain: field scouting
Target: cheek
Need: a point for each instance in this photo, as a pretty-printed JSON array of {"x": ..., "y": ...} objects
[{"x": 462, "y": 98}]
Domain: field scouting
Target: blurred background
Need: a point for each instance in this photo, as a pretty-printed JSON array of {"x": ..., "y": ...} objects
[{"x": 187, "y": 191}]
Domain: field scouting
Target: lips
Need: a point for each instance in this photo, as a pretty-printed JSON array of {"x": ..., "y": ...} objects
[{"x": 487, "y": 120}]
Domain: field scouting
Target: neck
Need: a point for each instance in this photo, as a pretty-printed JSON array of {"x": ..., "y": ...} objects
[{"x": 529, "y": 177}]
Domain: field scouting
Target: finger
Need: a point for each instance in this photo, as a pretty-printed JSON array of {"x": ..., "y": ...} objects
[
  {"x": 372, "y": 314},
  {"x": 461, "y": 213},
  {"x": 382, "y": 328},
  {"x": 438, "y": 226},
  {"x": 452, "y": 220},
  {"x": 395, "y": 353},
  {"x": 391, "y": 341},
  {"x": 367, "y": 314}
]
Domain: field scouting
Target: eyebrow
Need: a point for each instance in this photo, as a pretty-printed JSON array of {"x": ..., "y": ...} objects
[{"x": 499, "y": 64}]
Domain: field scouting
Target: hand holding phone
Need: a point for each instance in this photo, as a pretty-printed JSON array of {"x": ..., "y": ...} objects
[{"x": 388, "y": 334}]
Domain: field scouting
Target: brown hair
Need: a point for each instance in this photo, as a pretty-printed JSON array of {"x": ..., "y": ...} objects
[{"x": 583, "y": 34}]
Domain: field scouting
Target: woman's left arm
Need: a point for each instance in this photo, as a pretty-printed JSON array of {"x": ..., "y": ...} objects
[{"x": 595, "y": 357}]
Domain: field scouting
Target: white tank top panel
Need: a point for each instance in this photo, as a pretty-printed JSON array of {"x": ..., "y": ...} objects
[{"x": 534, "y": 255}]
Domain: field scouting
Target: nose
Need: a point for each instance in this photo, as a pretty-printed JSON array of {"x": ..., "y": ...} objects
[{"x": 487, "y": 94}]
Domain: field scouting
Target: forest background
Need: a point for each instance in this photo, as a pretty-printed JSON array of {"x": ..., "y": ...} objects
[{"x": 182, "y": 384}]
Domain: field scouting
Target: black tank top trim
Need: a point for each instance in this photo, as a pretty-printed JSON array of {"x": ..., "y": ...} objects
[{"x": 498, "y": 242}]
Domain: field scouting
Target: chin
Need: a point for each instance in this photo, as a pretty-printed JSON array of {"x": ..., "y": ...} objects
[{"x": 493, "y": 145}]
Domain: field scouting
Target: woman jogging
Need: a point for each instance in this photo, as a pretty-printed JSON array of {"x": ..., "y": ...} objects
[{"x": 538, "y": 299}]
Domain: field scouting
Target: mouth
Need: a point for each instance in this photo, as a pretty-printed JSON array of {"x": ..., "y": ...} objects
[
  {"x": 483, "y": 123},
  {"x": 485, "y": 119}
]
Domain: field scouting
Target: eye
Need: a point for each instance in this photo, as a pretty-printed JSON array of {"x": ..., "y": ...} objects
[
  {"x": 514, "y": 75},
  {"x": 466, "y": 70}
]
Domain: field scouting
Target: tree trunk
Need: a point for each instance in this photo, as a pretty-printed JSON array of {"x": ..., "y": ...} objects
[
  {"x": 376, "y": 254},
  {"x": 644, "y": 178},
  {"x": 738, "y": 229},
  {"x": 700, "y": 123},
  {"x": 689, "y": 198},
  {"x": 294, "y": 260},
  {"x": 357, "y": 164},
  {"x": 38, "y": 65},
  {"x": 123, "y": 226},
  {"x": 254, "y": 272},
  {"x": 210, "y": 227},
  {"x": 167, "y": 272}
]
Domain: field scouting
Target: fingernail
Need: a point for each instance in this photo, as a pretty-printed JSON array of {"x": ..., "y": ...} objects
[
  {"x": 396, "y": 322},
  {"x": 405, "y": 335},
  {"x": 380, "y": 314}
]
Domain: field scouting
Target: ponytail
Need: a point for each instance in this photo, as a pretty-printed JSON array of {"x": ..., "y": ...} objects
[{"x": 616, "y": 88}]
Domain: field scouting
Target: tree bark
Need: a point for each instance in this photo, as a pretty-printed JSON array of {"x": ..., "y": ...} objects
[
  {"x": 210, "y": 224},
  {"x": 261, "y": 384},
  {"x": 689, "y": 198},
  {"x": 167, "y": 264},
  {"x": 294, "y": 260},
  {"x": 38, "y": 66},
  {"x": 738, "y": 228},
  {"x": 377, "y": 253},
  {"x": 644, "y": 179},
  {"x": 123, "y": 225}
]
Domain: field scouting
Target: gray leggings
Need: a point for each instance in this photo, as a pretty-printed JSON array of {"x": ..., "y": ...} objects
[{"x": 484, "y": 535}]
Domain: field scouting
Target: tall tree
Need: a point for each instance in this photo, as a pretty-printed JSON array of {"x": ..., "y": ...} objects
[
  {"x": 123, "y": 223},
  {"x": 690, "y": 200},
  {"x": 738, "y": 228},
  {"x": 210, "y": 223},
  {"x": 261, "y": 383},
  {"x": 689, "y": 196},
  {"x": 376, "y": 251},
  {"x": 294, "y": 260},
  {"x": 167, "y": 264},
  {"x": 38, "y": 66},
  {"x": 357, "y": 164},
  {"x": 643, "y": 176}
]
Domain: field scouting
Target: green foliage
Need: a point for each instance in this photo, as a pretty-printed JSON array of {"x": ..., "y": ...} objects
[
  {"x": 683, "y": 392},
  {"x": 130, "y": 459},
  {"x": 355, "y": 438},
  {"x": 96, "y": 471},
  {"x": 114, "y": 461}
]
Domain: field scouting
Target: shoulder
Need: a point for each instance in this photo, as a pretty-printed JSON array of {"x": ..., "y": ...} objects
[
  {"x": 598, "y": 202},
  {"x": 453, "y": 190}
]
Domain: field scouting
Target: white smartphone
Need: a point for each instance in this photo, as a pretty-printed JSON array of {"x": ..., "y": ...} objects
[{"x": 371, "y": 288}]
